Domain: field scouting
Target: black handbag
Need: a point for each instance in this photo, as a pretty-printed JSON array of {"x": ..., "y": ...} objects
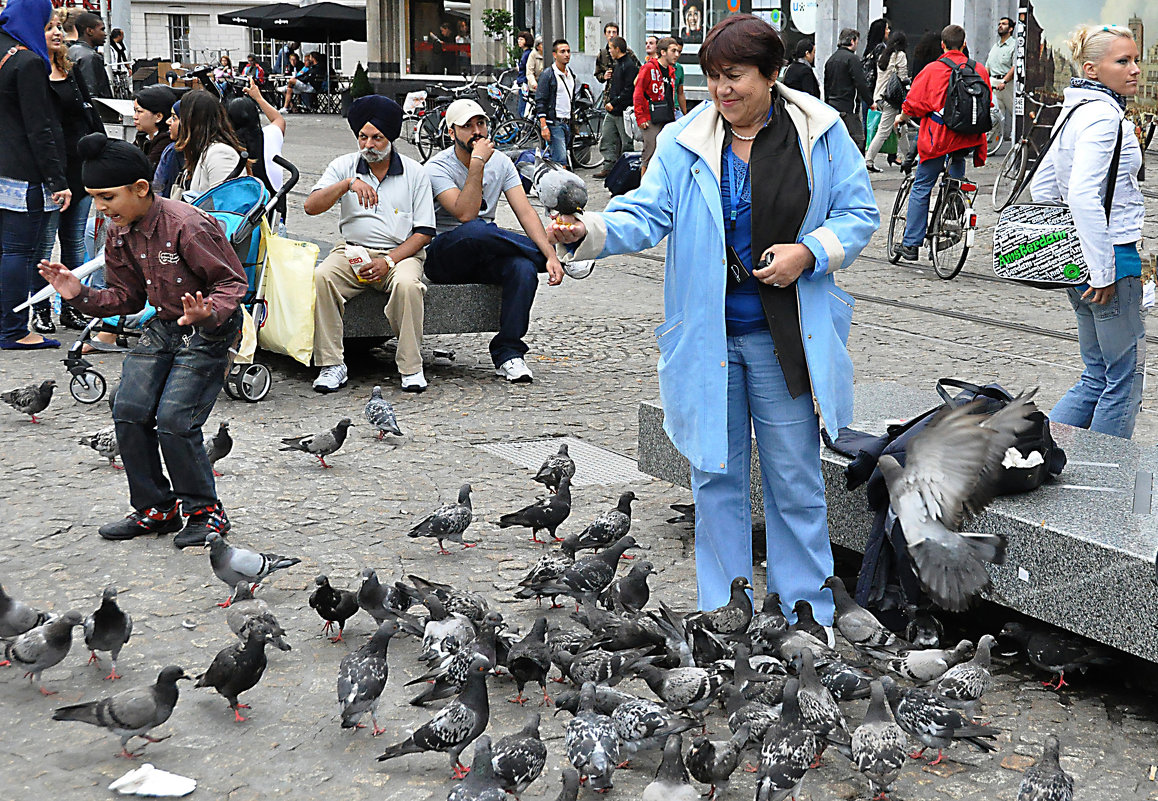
[
  {"x": 895, "y": 91},
  {"x": 91, "y": 114},
  {"x": 663, "y": 112}
]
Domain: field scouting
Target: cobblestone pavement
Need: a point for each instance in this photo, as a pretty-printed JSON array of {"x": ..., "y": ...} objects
[{"x": 594, "y": 359}]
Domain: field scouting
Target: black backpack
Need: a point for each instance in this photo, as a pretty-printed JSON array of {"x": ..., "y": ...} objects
[
  {"x": 868, "y": 65},
  {"x": 967, "y": 100}
]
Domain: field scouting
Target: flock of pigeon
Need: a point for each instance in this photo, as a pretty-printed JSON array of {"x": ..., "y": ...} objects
[{"x": 780, "y": 684}]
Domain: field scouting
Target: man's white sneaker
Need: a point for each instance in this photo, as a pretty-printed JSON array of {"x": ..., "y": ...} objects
[
  {"x": 414, "y": 383},
  {"x": 331, "y": 378},
  {"x": 515, "y": 370}
]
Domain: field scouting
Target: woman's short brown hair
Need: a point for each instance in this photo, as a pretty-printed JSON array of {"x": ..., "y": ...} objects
[{"x": 742, "y": 39}]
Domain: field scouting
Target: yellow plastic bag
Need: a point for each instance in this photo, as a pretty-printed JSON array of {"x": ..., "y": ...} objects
[
  {"x": 288, "y": 290},
  {"x": 247, "y": 346}
]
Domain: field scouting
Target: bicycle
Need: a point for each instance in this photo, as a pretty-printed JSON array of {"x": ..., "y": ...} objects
[
  {"x": 586, "y": 131},
  {"x": 431, "y": 135},
  {"x": 952, "y": 223},
  {"x": 1025, "y": 152},
  {"x": 122, "y": 83}
]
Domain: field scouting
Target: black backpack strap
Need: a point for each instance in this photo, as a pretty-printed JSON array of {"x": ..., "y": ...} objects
[{"x": 1112, "y": 177}]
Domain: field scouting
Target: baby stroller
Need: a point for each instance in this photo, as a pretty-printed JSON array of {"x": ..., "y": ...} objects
[{"x": 244, "y": 208}]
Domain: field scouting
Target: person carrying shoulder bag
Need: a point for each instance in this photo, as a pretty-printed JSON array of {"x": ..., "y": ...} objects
[{"x": 1076, "y": 171}]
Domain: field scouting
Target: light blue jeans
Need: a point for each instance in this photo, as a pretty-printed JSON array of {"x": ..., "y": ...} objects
[
  {"x": 557, "y": 147},
  {"x": 1112, "y": 339},
  {"x": 795, "y": 514},
  {"x": 928, "y": 174}
]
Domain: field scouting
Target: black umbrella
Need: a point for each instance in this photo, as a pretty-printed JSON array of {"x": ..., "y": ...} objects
[
  {"x": 256, "y": 16},
  {"x": 318, "y": 21}
]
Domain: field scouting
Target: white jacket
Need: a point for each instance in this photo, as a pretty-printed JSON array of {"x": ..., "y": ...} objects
[
  {"x": 216, "y": 165},
  {"x": 1074, "y": 171},
  {"x": 898, "y": 65}
]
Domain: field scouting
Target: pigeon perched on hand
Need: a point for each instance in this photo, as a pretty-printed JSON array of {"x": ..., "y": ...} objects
[
  {"x": 548, "y": 513},
  {"x": 671, "y": 779},
  {"x": 107, "y": 629},
  {"x": 519, "y": 758},
  {"x": 555, "y": 468},
  {"x": 447, "y": 522},
  {"x": 132, "y": 713},
  {"x": 878, "y": 745},
  {"x": 362, "y": 678},
  {"x": 380, "y": 414},
  {"x": 104, "y": 442},
  {"x": 322, "y": 444},
  {"x": 333, "y": 606},
  {"x": 238, "y": 667},
  {"x": 244, "y": 607},
  {"x": 1046, "y": 781},
  {"x": 16, "y": 617},
  {"x": 30, "y": 400},
  {"x": 40, "y": 648},
  {"x": 219, "y": 446},
  {"x": 232, "y": 565},
  {"x": 950, "y": 472},
  {"x": 562, "y": 191}
]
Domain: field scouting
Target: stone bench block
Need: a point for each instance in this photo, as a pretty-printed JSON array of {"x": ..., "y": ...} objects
[{"x": 449, "y": 309}]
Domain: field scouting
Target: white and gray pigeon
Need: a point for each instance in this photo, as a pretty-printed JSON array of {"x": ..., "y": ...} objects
[
  {"x": 1046, "y": 781},
  {"x": 447, "y": 522},
  {"x": 232, "y": 565},
  {"x": 683, "y": 689},
  {"x": 591, "y": 742},
  {"x": 104, "y": 442},
  {"x": 16, "y": 617},
  {"x": 547, "y": 569},
  {"x": 928, "y": 664},
  {"x": 244, "y": 607},
  {"x": 967, "y": 682},
  {"x": 588, "y": 577},
  {"x": 788, "y": 752},
  {"x": 858, "y": 625},
  {"x": 132, "y": 713},
  {"x": 555, "y": 468},
  {"x": 519, "y": 758},
  {"x": 319, "y": 445},
  {"x": 481, "y": 783},
  {"x": 445, "y": 632},
  {"x": 609, "y": 526},
  {"x": 362, "y": 677},
  {"x": 671, "y": 778},
  {"x": 219, "y": 446},
  {"x": 562, "y": 191},
  {"x": 644, "y": 725},
  {"x": 819, "y": 710},
  {"x": 712, "y": 762},
  {"x": 380, "y": 414},
  {"x": 879, "y": 745},
  {"x": 734, "y": 616},
  {"x": 950, "y": 473},
  {"x": 741, "y": 711},
  {"x": 42, "y": 647},
  {"x": 30, "y": 400},
  {"x": 108, "y": 629},
  {"x": 928, "y": 719}
]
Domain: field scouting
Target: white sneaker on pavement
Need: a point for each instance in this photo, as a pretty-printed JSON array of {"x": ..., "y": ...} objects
[
  {"x": 515, "y": 370},
  {"x": 331, "y": 378},
  {"x": 414, "y": 383}
]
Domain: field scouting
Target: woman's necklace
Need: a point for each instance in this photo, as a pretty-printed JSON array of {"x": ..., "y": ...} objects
[{"x": 741, "y": 136}]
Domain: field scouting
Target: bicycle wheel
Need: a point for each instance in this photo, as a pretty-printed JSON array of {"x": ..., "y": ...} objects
[
  {"x": 897, "y": 219},
  {"x": 950, "y": 239},
  {"x": 585, "y": 144},
  {"x": 428, "y": 137},
  {"x": 1010, "y": 175},
  {"x": 516, "y": 134}
]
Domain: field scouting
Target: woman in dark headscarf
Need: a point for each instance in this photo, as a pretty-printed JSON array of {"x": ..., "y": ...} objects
[{"x": 32, "y": 179}]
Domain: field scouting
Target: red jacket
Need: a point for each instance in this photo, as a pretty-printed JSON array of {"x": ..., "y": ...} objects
[
  {"x": 649, "y": 86},
  {"x": 926, "y": 96}
]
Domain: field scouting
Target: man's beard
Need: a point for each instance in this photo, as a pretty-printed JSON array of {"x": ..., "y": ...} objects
[
  {"x": 468, "y": 145},
  {"x": 374, "y": 156}
]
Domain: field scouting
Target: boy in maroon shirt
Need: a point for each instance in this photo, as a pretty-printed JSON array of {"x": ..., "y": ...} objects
[{"x": 176, "y": 257}]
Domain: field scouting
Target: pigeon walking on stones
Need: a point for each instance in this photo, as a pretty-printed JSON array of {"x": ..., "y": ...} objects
[
  {"x": 42, "y": 647},
  {"x": 734, "y": 616},
  {"x": 712, "y": 762},
  {"x": 519, "y": 758},
  {"x": 447, "y": 522},
  {"x": 530, "y": 660},
  {"x": 671, "y": 779},
  {"x": 819, "y": 710},
  {"x": 547, "y": 514},
  {"x": 929, "y": 664},
  {"x": 244, "y": 607},
  {"x": 609, "y": 526},
  {"x": 480, "y": 783},
  {"x": 549, "y": 568},
  {"x": 333, "y": 606},
  {"x": 587, "y": 577},
  {"x": 322, "y": 444},
  {"x": 923, "y": 630},
  {"x": 379, "y": 413},
  {"x": 1056, "y": 651},
  {"x": 878, "y": 745},
  {"x": 445, "y": 632},
  {"x": 238, "y": 667},
  {"x": 1046, "y": 781},
  {"x": 30, "y": 400},
  {"x": 362, "y": 677},
  {"x": 929, "y": 720},
  {"x": 767, "y": 623},
  {"x": 555, "y": 469},
  {"x": 684, "y": 689},
  {"x": 967, "y": 682},
  {"x": 232, "y": 565},
  {"x": 456, "y": 725},
  {"x": 107, "y": 629},
  {"x": 104, "y": 442},
  {"x": 642, "y": 725},
  {"x": 380, "y": 602},
  {"x": 132, "y": 713},
  {"x": 788, "y": 753},
  {"x": 16, "y": 617},
  {"x": 950, "y": 472},
  {"x": 591, "y": 742},
  {"x": 630, "y": 593},
  {"x": 219, "y": 446},
  {"x": 858, "y": 625}
]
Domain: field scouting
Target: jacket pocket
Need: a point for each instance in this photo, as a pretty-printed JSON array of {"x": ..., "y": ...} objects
[
  {"x": 667, "y": 336},
  {"x": 841, "y": 305}
]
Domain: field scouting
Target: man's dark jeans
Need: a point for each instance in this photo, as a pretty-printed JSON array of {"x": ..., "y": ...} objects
[
  {"x": 169, "y": 383},
  {"x": 479, "y": 252},
  {"x": 20, "y": 233}
]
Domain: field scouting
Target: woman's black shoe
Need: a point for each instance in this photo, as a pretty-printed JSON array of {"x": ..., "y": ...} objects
[
  {"x": 71, "y": 318},
  {"x": 42, "y": 321}
]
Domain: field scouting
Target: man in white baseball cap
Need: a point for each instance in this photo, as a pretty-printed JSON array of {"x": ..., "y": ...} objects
[{"x": 467, "y": 179}]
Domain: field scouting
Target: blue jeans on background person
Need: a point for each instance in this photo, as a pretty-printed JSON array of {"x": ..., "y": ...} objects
[
  {"x": 169, "y": 383},
  {"x": 928, "y": 173},
  {"x": 479, "y": 252},
  {"x": 557, "y": 146},
  {"x": 795, "y": 513},
  {"x": 1112, "y": 340},
  {"x": 20, "y": 233},
  {"x": 69, "y": 226}
]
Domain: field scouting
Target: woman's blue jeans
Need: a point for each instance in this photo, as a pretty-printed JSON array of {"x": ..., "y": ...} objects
[
  {"x": 795, "y": 514},
  {"x": 69, "y": 226},
  {"x": 20, "y": 233},
  {"x": 1112, "y": 339}
]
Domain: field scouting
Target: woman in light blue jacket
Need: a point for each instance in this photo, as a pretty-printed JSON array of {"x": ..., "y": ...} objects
[
  {"x": 763, "y": 196},
  {"x": 1111, "y": 328}
]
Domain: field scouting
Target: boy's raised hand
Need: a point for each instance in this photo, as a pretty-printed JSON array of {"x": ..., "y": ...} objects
[
  {"x": 60, "y": 277},
  {"x": 196, "y": 309}
]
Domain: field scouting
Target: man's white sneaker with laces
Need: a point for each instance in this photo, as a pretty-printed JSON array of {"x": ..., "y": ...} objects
[
  {"x": 331, "y": 378},
  {"x": 414, "y": 383},
  {"x": 515, "y": 370}
]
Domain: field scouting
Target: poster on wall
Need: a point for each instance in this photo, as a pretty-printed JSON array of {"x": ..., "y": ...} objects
[{"x": 691, "y": 16}]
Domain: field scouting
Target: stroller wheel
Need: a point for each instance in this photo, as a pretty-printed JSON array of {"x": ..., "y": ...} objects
[
  {"x": 251, "y": 382},
  {"x": 88, "y": 387}
]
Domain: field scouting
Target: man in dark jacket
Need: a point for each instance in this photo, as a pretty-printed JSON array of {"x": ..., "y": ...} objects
[
  {"x": 843, "y": 81},
  {"x": 620, "y": 88},
  {"x": 86, "y": 54},
  {"x": 555, "y": 102},
  {"x": 799, "y": 74}
]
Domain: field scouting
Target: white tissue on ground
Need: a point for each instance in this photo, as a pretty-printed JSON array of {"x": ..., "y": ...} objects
[
  {"x": 1013, "y": 458},
  {"x": 148, "y": 781}
]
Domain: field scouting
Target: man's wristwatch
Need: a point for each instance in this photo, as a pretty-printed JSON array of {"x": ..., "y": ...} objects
[{"x": 389, "y": 262}]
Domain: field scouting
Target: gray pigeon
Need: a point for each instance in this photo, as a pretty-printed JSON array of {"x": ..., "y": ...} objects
[
  {"x": 587, "y": 577},
  {"x": 630, "y": 593},
  {"x": 684, "y": 689},
  {"x": 555, "y": 468},
  {"x": 766, "y": 623},
  {"x": 858, "y": 625},
  {"x": 562, "y": 191},
  {"x": 570, "y": 789},
  {"x": 609, "y": 526},
  {"x": 548, "y": 513},
  {"x": 806, "y": 621},
  {"x": 107, "y": 629},
  {"x": 519, "y": 758},
  {"x": 480, "y": 783},
  {"x": 950, "y": 472},
  {"x": 819, "y": 710},
  {"x": 362, "y": 677},
  {"x": 928, "y": 664},
  {"x": 1056, "y": 651},
  {"x": 549, "y": 568},
  {"x": 712, "y": 762},
  {"x": 40, "y": 648},
  {"x": 319, "y": 445},
  {"x": 104, "y": 442},
  {"x": 30, "y": 400},
  {"x": 757, "y": 715},
  {"x": 671, "y": 779},
  {"x": 789, "y": 751},
  {"x": 132, "y": 713},
  {"x": 232, "y": 565},
  {"x": 16, "y": 617},
  {"x": 220, "y": 446},
  {"x": 380, "y": 414},
  {"x": 929, "y": 720},
  {"x": 447, "y": 522},
  {"x": 734, "y": 616},
  {"x": 878, "y": 745},
  {"x": 530, "y": 660},
  {"x": 244, "y": 607},
  {"x": 380, "y": 602},
  {"x": 643, "y": 725},
  {"x": 592, "y": 743},
  {"x": 238, "y": 667},
  {"x": 444, "y": 632},
  {"x": 968, "y": 681},
  {"x": 1046, "y": 781}
]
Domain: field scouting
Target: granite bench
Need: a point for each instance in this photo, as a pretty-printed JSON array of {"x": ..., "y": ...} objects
[
  {"x": 449, "y": 309},
  {"x": 1080, "y": 549}
]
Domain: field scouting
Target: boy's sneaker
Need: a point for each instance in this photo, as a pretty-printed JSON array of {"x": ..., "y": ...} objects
[
  {"x": 515, "y": 370},
  {"x": 331, "y": 378},
  {"x": 147, "y": 521},
  {"x": 201, "y": 522},
  {"x": 415, "y": 382}
]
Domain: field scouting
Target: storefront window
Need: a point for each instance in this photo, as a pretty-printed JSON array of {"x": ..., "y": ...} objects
[{"x": 439, "y": 37}]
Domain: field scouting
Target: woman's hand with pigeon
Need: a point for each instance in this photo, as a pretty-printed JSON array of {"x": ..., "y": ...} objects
[{"x": 565, "y": 229}]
